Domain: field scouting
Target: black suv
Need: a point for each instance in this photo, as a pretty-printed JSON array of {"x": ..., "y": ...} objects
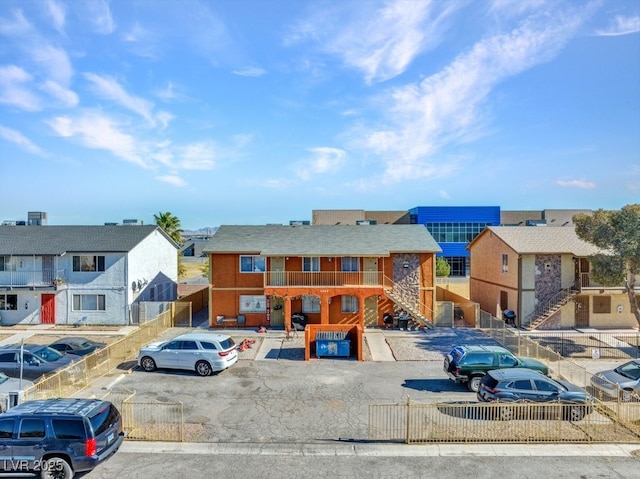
[
  {"x": 469, "y": 363},
  {"x": 58, "y": 437}
]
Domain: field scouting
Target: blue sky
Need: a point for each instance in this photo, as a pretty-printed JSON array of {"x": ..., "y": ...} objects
[{"x": 252, "y": 112}]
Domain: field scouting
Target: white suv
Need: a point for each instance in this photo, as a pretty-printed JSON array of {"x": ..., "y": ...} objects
[{"x": 204, "y": 353}]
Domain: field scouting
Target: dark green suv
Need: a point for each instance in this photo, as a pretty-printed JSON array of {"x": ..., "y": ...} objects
[{"x": 469, "y": 363}]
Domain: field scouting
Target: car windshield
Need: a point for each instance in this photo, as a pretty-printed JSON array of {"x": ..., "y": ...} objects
[
  {"x": 47, "y": 354},
  {"x": 629, "y": 370}
]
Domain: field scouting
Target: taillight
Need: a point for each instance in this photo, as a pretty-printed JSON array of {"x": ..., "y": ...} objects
[
  {"x": 90, "y": 447},
  {"x": 457, "y": 371},
  {"x": 224, "y": 353},
  {"x": 492, "y": 390}
]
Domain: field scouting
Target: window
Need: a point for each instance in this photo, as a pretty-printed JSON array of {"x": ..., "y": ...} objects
[
  {"x": 602, "y": 304},
  {"x": 522, "y": 384},
  {"x": 6, "y": 428},
  {"x": 68, "y": 429},
  {"x": 311, "y": 264},
  {"x": 349, "y": 304},
  {"x": 8, "y": 358},
  {"x": 209, "y": 346},
  {"x": 545, "y": 386},
  {"x": 6, "y": 264},
  {"x": 190, "y": 345},
  {"x": 104, "y": 419},
  {"x": 88, "y": 263},
  {"x": 505, "y": 263},
  {"x": 253, "y": 264},
  {"x": 310, "y": 304},
  {"x": 507, "y": 360},
  {"x": 253, "y": 304},
  {"x": 349, "y": 263},
  {"x": 8, "y": 302},
  {"x": 31, "y": 428},
  {"x": 455, "y": 232},
  {"x": 89, "y": 302}
]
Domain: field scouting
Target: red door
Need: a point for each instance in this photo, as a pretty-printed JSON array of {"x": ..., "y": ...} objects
[{"x": 48, "y": 309}]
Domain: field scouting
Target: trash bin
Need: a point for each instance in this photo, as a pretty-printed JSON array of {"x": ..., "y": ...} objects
[
  {"x": 332, "y": 343},
  {"x": 403, "y": 321},
  {"x": 509, "y": 316}
]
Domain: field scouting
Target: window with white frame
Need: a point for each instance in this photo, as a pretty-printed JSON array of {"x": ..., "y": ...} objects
[
  {"x": 253, "y": 303},
  {"x": 350, "y": 263},
  {"x": 88, "y": 263},
  {"x": 253, "y": 264},
  {"x": 89, "y": 302},
  {"x": 311, "y": 264},
  {"x": 8, "y": 302},
  {"x": 505, "y": 263},
  {"x": 310, "y": 304},
  {"x": 349, "y": 304}
]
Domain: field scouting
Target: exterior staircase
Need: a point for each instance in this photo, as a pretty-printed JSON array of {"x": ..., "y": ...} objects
[
  {"x": 401, "y": 300},
  {"x": 547, "y": 309}
]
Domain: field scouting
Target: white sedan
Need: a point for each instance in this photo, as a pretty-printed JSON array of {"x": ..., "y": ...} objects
[{"x": 204, "y": 353}]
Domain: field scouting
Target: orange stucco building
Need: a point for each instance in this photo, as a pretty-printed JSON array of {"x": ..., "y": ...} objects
[{"x": 333, "y": 274}]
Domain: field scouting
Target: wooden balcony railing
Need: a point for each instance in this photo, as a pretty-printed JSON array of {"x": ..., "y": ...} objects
[{"x": 323, "y": 278}]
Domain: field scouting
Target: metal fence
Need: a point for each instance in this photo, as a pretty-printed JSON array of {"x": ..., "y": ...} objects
[
  {"x": 148, "y": 420},
  {"x": 119, "y": 354},
  {"x": 416, "y": 423}
]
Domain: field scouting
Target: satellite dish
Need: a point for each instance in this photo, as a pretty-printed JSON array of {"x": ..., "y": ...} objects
[
  {"x": 139, "y": 284},
  {"x": 134, "y": 286}
]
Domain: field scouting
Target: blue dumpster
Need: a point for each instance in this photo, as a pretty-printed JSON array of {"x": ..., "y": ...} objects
[{"x": 332, "y": 343}]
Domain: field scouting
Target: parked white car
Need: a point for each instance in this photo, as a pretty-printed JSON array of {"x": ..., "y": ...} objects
[
  {"x": 204, "y": 353},
  {"x": 622, "y": 382}
]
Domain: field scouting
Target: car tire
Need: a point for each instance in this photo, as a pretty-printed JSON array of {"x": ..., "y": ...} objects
[
  {"x": 56, "y": 468},
  {"x": 626, "y": 395},
  {"x": 507, "y": 413},
  {"x": 148, "y": 364},
  {"x": 574, "y": 413},
  {"x": 474, "y": 383},
  {"x": 203, "y": 368}
]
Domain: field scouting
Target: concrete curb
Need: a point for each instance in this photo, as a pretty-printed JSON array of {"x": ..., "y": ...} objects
[{"x": 347, "y": 448}]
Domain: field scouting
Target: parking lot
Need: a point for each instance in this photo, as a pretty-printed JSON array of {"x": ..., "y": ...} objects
[{"x": 272, "y": 394}]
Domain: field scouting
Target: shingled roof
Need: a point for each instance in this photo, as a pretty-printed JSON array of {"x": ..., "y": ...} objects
[
  {"x": 322, "y": 240},
  {"x": 55, "y": 240},
  {"x": 541, "y": 240}
]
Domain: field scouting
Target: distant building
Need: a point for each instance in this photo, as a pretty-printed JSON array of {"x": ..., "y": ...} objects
[
  {"x": 454, "y": 227},
  {"x": 548, "y": 217},
  {"x": 354, "y": 217},
  {"x": 36, "y": 218}
]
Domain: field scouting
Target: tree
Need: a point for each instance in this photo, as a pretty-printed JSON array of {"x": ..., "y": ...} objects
[
  {"x": 443, "y": 270},
  {"x": 170, "y": 224},
  {"x": 617, "y": 234}
]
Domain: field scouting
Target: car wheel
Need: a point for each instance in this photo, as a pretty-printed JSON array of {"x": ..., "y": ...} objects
[
  {"x": 203, "y": 368},
  {"x": 626, "y": 395},
  {"x": 474, "y": 383},
  {"x": 56, "y": 468},
  {"x": 148, "y": 364},
  {"x": 574, "y": 413},
  {"x": 506, "y": 413}
]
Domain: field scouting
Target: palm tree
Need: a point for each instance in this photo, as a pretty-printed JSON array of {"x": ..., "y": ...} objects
[{"x": 170, "y": 224}]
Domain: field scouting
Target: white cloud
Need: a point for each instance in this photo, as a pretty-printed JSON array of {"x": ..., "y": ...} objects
[
  {"x": 621, "y": 26},
  {"x": 98, "y": 131},
  {"x": 110, "y": 89},
  {"x": 250, "y": 72},
  {"x": 448, "y": 106},
  {"x": 16, "y": 89},
  {"x": 197, "y": 156},
  {"x": 66, "y": 97},
  {"x": 324, "y": 160},
  {"x": 19, "y": 139},
  {"x": 58, "y": 15},
  {"x": 172, "y": 180},
  {"x": 381, "y": 42},
  {"x": 98, "y": 14},
  {"x": 576, "y": 184}
]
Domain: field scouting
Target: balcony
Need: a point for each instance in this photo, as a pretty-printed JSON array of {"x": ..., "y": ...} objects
[
  {"x": 29, "y": 279},
  {"x": 323, "y": 278}
]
